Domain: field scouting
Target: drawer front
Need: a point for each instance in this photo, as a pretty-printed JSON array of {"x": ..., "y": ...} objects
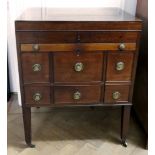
[
  {"x": 86, "y": 67},
  {"x": 37, "y": 95},
  {"x": 72, "y": 25},
  {"x": 58, "y": 47},
  {"x": 119, "y": 67},
  {"x": 47, "y": 37},
  {"x": 74, "y": 37},
  {"x": 35, "y": 67},
  {"x": 116, "y": 93},
  {"x": 77, "y": 94},
  {"x": 108, "y": 37}
]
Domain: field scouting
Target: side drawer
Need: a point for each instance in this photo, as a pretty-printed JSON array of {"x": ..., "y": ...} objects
[
  {"x": 35, "y": 67},
  {"x": 116, "y": 93},
  {"x": 119, "y": 66},
  {"x": 37, "y": 95},
  {"x": 77, "y": 94}
]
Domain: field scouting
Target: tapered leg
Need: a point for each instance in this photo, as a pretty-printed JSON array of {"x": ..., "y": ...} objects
[
  {"x": 125, "y": 123},
  {"x": 27, "y": 125}
]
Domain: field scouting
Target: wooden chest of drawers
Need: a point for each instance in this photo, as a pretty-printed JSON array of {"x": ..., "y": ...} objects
[{"x": 73, "y": 60}]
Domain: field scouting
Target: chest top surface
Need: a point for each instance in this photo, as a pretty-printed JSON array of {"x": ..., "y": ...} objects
[{"x": 76, "y": 14}]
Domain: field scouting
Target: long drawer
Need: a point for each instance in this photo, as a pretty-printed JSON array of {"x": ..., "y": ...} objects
[
  {"x": 78, "y": 46},
  {"x": 74, "y": 37}
]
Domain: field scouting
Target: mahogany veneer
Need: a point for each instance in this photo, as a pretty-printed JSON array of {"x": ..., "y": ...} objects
[{"x": 77, "y": 57}]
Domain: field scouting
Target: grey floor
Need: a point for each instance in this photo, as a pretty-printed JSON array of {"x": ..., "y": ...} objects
[{"x": 72, "y": 131}]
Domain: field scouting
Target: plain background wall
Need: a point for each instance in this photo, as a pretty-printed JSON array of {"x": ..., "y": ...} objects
[{"x": 16, "y": 7}]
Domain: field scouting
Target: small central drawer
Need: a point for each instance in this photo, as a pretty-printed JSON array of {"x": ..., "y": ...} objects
[
  {"x": 77, "y": 94},
  {"x": 85, "y": 67}
]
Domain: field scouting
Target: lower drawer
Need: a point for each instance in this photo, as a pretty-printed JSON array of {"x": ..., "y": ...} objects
[
  {"x": 37, "y": 95},
  {"x": 77, "y": 94},
  {"x": 116, "y": 93}
]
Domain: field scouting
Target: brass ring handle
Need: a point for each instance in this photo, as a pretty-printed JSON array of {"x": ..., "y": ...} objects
[
  {"x": 78, "y": 67},
  {"x": 120, "y": 66},
  {"x": 116, "y": 95},
  {"x": 37, "y": 97},
  {"x": 35, "y": 47},
  {"x": 77, "y": 95},
  {"x": 36, "y": 67},
  {"x": 122, "y": 46}
]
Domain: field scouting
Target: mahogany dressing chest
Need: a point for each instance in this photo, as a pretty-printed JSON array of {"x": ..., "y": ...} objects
[{"x": 77, "y": 57}]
